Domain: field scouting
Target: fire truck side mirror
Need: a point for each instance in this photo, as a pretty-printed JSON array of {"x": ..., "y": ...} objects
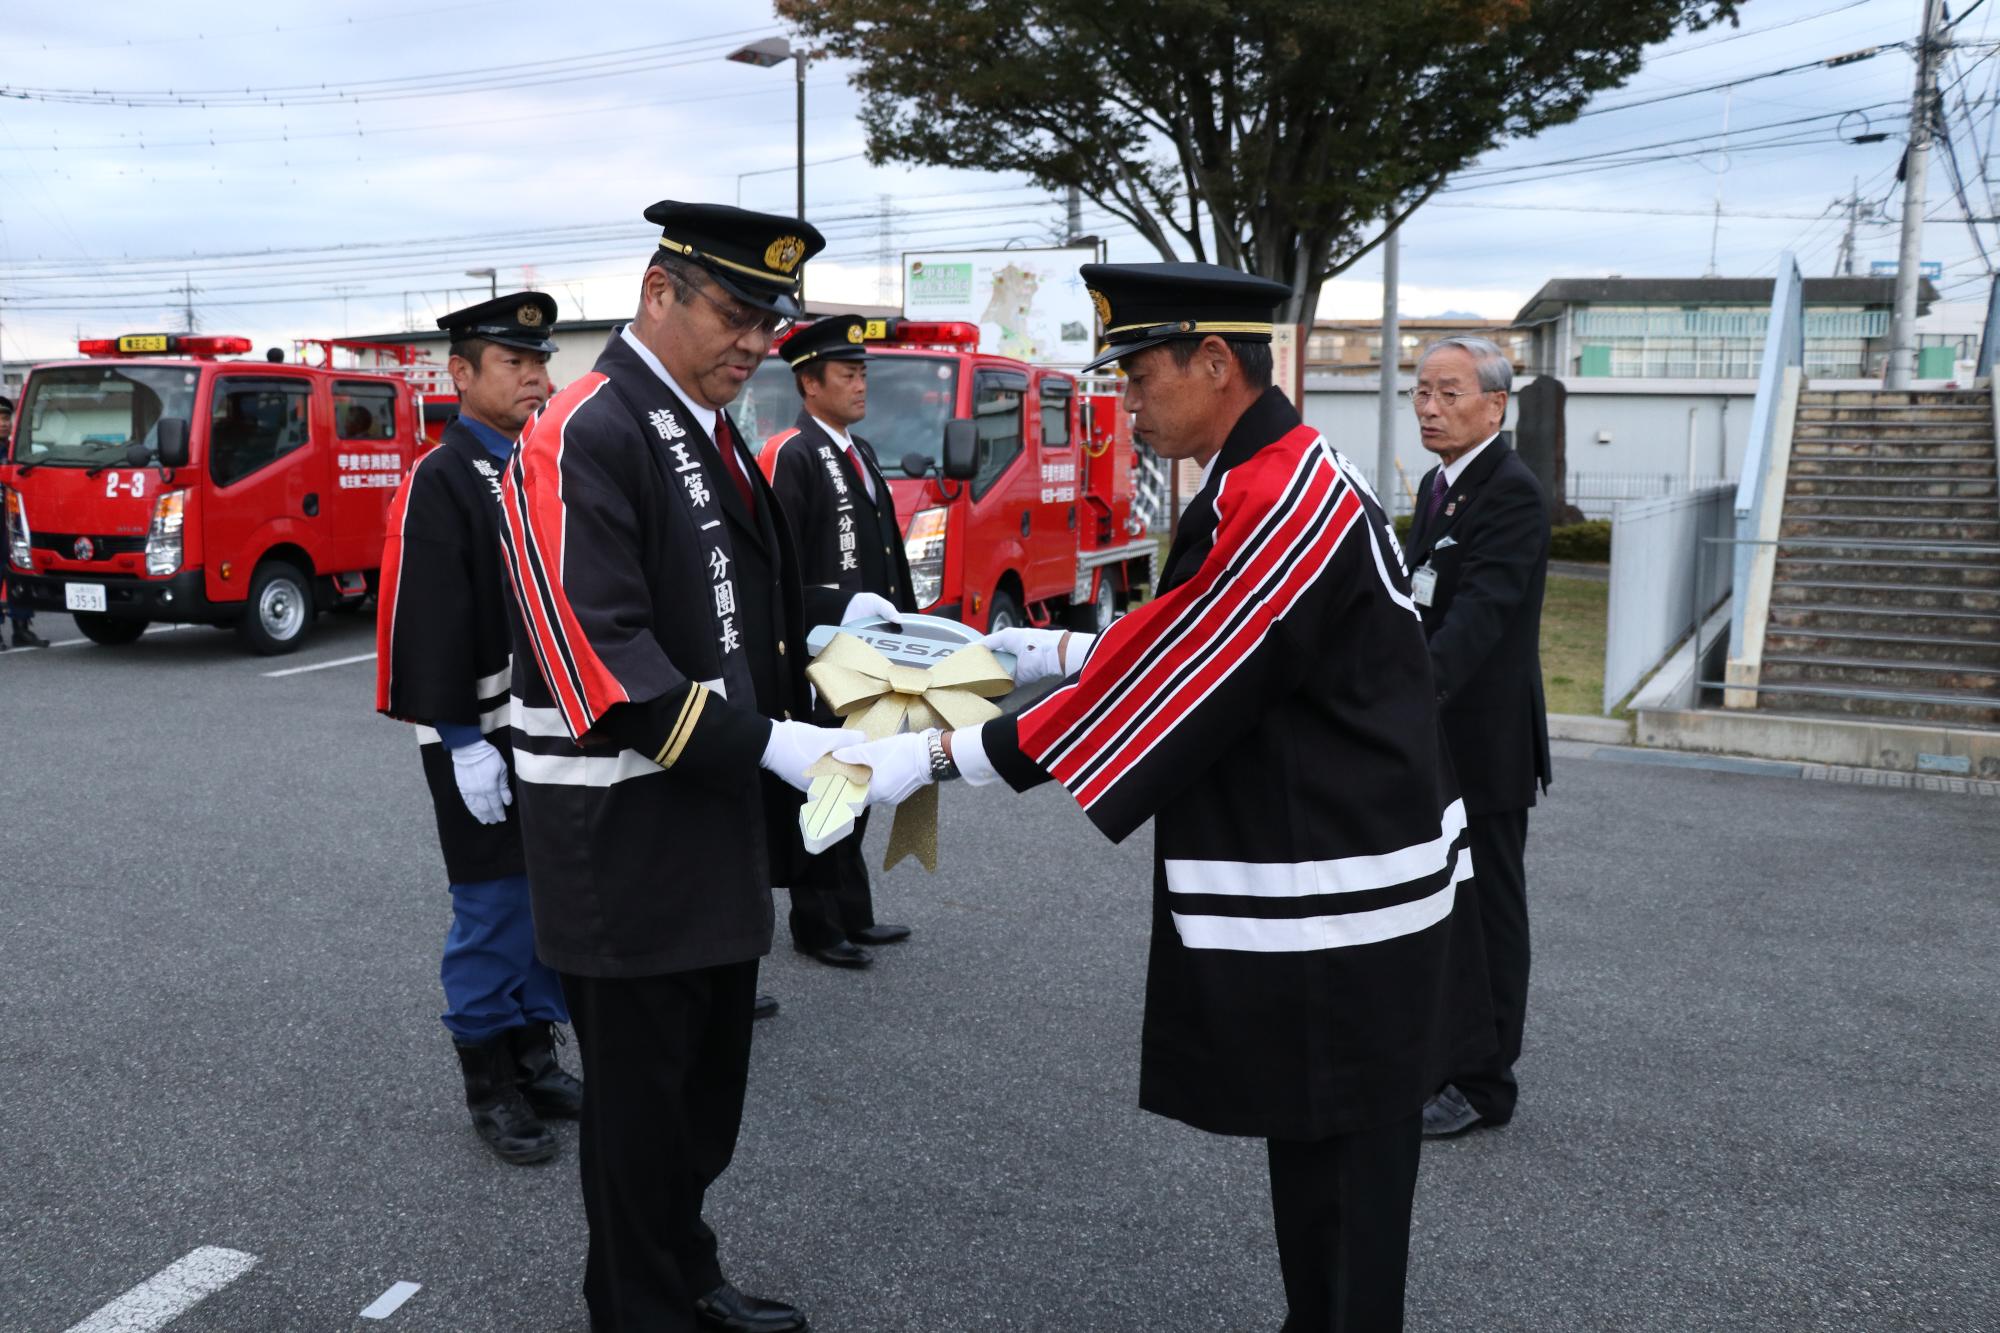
[
  {"x": 173, "y": 436},
  {"x": 961, "y": 449}
]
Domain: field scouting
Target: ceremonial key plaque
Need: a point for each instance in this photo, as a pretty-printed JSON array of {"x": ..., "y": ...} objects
[{"x": 881, "y": 678}]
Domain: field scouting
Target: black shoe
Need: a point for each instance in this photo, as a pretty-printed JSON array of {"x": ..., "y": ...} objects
[
  {"x": 499, "y": 1112},
  {"x": 27, "y": 638},
  {"x": 765, "y": 1007},
  {"x": 1448, "y": 1113},
  {"x": 550, "y": 1089},
  {"x": 880, "y": 935},
  {"x": 843, "y": 954},
  {"x": 730, "y": 1310}
]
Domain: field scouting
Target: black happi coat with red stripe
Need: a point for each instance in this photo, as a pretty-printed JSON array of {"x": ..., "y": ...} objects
[
  {"x": 442, "y": 639},
  {"x": 661, "y": 627},
  {"x": 846, "y": 540},
  {"x": 1271, "y": 710}
]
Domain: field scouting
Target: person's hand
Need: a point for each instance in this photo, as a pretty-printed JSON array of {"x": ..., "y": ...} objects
[
  {"x": 1041, "y": 653},
  {"x": 482, "y": 781},
  {"x": 897, "y": 765},
  {"x": 865, "y": 604},
  {"x": 796, "y": 746}
]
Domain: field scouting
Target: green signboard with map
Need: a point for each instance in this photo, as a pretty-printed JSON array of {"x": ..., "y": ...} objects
[{"x": 1029, "y": 304}]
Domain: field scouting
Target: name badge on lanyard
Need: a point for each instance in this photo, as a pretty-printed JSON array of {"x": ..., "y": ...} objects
[{"x": 1423, "y": 585}]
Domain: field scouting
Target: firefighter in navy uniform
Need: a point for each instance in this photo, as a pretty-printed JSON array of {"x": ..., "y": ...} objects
[
  {"x": 1271, "y": 711},
  {"x": 442, "y": 662},
  {"x": 661, "y": 743},
  {"x": 831, "y": 487}
]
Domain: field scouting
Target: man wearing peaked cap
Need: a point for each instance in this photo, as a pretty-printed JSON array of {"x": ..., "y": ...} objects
[
  {"x": 755, "y": 257},
  {"x": 1271, "y": 711},
  {"x": 442, "y": 662},
  {"x": 661, "y": 744},
  {"x": 831, "y": 488}
]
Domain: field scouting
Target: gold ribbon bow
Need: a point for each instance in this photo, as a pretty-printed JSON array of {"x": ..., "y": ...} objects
[{"x": 881, "y": 698}]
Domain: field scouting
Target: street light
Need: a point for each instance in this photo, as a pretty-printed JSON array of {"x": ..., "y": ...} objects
[
  {"x": 492, "y": 277},
  {"x": 775, "y": 51}
]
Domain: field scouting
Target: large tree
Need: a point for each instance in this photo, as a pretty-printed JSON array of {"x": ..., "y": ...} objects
[{"x": 1282, "y": 136}]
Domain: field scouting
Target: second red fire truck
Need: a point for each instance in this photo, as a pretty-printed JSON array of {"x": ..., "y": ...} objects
[{"x": 1023, "y": 496}]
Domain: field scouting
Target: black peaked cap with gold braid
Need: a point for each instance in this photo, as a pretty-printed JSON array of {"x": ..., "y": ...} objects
[
  {"x": 759, "y": 258},
  {"x": 835, "y": 338},
  {"x": 523, "y": 319},
  {"x": 1144, "y": 305}
]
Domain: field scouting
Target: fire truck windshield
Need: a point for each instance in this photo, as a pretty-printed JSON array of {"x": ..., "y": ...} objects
[
  {"x": 82, "y": 416},
  {"x": 910, "y": 398}
]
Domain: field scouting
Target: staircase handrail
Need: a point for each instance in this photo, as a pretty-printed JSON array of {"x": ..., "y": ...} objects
[
  {"x": 1989, "y": 337},
  {"x": 1784, "y": 348}
]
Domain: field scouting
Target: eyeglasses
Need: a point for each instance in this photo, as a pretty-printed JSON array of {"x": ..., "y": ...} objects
[
  {"x": 740, "y": 318},
  {"x": 1450, "y": 397}
]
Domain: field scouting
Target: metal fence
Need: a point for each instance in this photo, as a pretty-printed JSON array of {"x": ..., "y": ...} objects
[
  {"x": 1663, "y": 581},
  {"x": 1597, "y": 493}
]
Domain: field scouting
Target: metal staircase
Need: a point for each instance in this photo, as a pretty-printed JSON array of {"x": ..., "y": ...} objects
[{"x": 1885, "y": 597}]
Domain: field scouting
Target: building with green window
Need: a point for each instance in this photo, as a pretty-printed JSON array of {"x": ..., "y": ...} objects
[{"x": 1710, "y": 328}]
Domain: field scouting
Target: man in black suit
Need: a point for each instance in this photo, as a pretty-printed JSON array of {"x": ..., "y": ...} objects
[{"x": 1479, "y": 557}]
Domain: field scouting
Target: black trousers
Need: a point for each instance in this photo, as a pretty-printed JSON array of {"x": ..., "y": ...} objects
[
  {"x": 665, "y": 1059},
  {"x": 1499, "y": 843},
  {"x": 830, "y": 898},
  {"x": 1342, "y": 1207}
]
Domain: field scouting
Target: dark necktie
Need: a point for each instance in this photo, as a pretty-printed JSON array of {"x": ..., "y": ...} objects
[
  {"x": 1438, "y": 488},
  {"x": 732, "y": 462}
]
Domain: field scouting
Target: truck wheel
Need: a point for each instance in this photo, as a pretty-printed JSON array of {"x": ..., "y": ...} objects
[
  {"x": 1003, "y": 612},
  {"x": 1094, "y": 616},
  {"x": 108, "y": 630},
  {"x": 279, "y": 611}
]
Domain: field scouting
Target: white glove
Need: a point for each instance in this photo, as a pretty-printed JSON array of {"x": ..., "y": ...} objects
[
  {"x": 796, "y": 746},
  {"x": 898, "y": 765},
  {"x": 482, "y": 781},
  {"x": 1038, "y": 653},
  {"x": 865, "y": 604}
]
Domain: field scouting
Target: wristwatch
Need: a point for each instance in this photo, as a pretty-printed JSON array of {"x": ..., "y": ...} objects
[{"x": 942, "y": 766}]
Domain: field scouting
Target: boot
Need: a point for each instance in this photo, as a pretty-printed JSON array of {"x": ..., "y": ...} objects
[
  {"x": 25, "y": 637},
  {"x": 549, "y": 1090},
  {"x": 499, "y": 1112}
]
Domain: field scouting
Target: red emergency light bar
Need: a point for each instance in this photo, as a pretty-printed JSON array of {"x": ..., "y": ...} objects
[
  {"x": 917, "y": 334},
  {"x": 202, "y": 347}
]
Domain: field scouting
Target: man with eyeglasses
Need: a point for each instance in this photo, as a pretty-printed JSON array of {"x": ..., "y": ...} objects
[
  {"x": 660, "y": 744},
  {"x": 1478, "y": 558}
]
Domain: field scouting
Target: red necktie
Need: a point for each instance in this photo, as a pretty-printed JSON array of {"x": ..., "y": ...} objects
[
  {"x": 732, "y": 462},
  {"x": 867, "y": 486}
]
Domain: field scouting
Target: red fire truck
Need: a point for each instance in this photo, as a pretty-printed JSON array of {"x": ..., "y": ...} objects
[
  {"x": 153, "y": 480},
  {"x": 1022, "y": 494}
]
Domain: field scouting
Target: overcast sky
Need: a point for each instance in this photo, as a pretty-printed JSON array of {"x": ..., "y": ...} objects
[{"x": 500, "y": 133}]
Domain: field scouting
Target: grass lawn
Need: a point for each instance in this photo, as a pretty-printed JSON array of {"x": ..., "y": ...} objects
[{"x": 1573, "y": 644}]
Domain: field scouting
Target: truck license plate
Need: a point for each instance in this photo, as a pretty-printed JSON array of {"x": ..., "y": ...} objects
[{"x": 83, "y": 596}]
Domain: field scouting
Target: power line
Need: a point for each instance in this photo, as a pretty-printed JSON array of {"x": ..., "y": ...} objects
[{"x": 487, "y": 78}]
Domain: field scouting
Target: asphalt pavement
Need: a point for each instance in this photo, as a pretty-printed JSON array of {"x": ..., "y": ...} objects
[{"x": 1759, "y": 1090}]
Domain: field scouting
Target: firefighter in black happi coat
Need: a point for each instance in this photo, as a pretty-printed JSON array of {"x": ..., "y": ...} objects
[
  {"x": 442, "y": 662},
  {"x": 831, "y": 487},
  {"x": 1271, "y": 711},
  {"x": 661, "y": 744}
]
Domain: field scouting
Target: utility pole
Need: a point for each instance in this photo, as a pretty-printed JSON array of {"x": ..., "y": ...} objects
[
  {"x": 1909, "y": 260},
  {"x": 1392, "y": 356},
  {"x": 1075, "y": 213},
  {"x": 1715, "y": 231},
  {"x": 885, "y": 253},
  {"x": 1859, "y": 210},
  {"x": 187, "y": 303}
]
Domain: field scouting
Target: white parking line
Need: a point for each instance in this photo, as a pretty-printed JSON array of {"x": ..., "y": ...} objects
[
  {"x": 391, "y": 1300},
  {"x": 171, "y": 1292},
  {"x": 71, "y": 643},
  {"x": 321, "y": 666}
]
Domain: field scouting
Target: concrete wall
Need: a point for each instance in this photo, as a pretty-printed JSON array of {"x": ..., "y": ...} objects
[{"x": 1645, "y": 422}]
